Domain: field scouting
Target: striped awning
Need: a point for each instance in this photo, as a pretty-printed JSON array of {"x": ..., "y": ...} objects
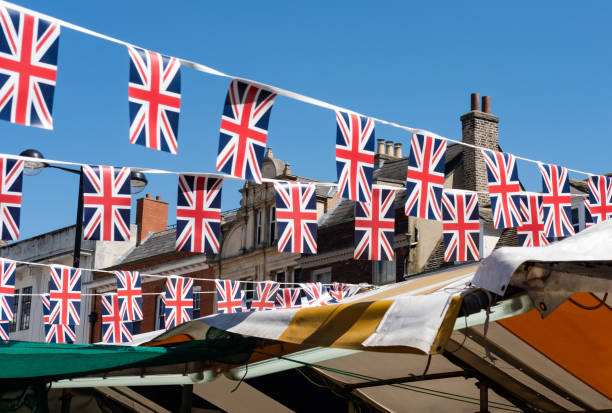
[{"x": 415, "y": 316}]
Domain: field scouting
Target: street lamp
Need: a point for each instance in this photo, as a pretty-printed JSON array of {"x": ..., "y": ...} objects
[{"x": 34, "y": 166}]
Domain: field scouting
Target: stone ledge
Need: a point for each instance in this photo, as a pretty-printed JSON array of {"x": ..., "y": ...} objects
[{"x": 476, "y": 114}]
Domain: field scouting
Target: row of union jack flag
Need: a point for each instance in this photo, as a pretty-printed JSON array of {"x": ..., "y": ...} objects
[
  {"x": 269, "y": 295},
  {"x": 538, "y": 217}
]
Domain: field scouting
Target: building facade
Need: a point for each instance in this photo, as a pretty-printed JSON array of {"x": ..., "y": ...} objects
[{"x": 55, "y": 247}]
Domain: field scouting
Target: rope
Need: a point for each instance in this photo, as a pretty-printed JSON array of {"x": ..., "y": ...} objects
[
  {"x": 589, "y": 308},
  {"x": 417, "y": 389},
  {"x": 172, "y": 275}
]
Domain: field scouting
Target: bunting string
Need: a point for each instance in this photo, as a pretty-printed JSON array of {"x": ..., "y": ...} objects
[
  {"x": 280, "y": 91},
  {"x": 168, "y": 276},
  {"x": 218, "y": 175}
]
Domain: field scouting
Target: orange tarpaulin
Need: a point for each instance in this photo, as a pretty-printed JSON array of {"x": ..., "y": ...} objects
[{"x": 578, "y": 340}]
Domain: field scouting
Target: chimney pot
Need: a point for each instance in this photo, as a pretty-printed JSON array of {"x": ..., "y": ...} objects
[
  {"x": 158, "y": 198},
  {"x": 380, "y": 147},
  {"x": 475, "y": 101},
  {"x": 148, "y": 196},
  {"x": 398, "y": 150},
  {"x": 486, "y": 104},
  {"x": 389, "y": 148}
]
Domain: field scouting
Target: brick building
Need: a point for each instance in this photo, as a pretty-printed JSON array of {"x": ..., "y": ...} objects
[{"x": 154, "y": 253}]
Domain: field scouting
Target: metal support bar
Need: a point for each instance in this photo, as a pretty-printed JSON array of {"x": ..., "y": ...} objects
[
  {"x": 78, "y": 231},
  {"x": 186, "y": 398},
  {"x": 408, "y": 379},
  {"x": 484, "y": 396}
]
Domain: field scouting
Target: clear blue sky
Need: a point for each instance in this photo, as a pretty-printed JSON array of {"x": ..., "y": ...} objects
[{"x": 546, "y": 66}]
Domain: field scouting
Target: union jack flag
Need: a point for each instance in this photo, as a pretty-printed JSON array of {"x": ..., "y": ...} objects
[
  {"x": 28, "y": 68},
  {"x": 425, "y": 177},
  {"x": 10, "y": 197},
  {"x": 106, "y": 202},
  {"x": 375, "y": 226},
  {"x": 114, "y": 329},
  {"x": 7, "y": 289},
  {"x": 244, "y": 130},
  {"x": 504, "y": 188},
  {"x": 4, "y": 330},
  {"x": 340, "y": 291},
  {"x": 288, "y": 299},
  {"x": 355, "y": 156},
  {"x": 56, "y": 333},
  {"x": 178, "y": 300},
  {"x": 64, "y": 295},
  {"x": 59, "y": 333},
  {"x": 46, "y": 308},
  {"x": 198, "y": 214},
  {"x": 230, "y": 299},
  {"x": 599, "y": 204},
  {"x": 317, "y": 294},
  {"x": 129, "y": 294},
  {"x": 155, "y": 99},
  {"x": 460, "y": 226},
  {"x": 531, "y": 231},
  {"x": 265, "y": 296},
  {"x": 296, "y": 214},
  {"x": 556, "y": 201}
]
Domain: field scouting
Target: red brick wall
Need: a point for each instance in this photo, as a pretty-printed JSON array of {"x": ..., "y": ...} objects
[
  {"x": 151, "y": 216},
  {"x": 149, "y": 301}
]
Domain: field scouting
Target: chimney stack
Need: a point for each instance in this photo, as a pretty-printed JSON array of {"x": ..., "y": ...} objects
[
  {"x": 151, "y": 216},
  {"x": 380, "y": 146},
  {"x": 480, "y": 129},
  {"x": 389, "y": 145},
  {"x": 398, "y": 150}
]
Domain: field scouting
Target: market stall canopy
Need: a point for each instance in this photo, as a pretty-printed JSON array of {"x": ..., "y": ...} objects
[{"x": 415, "y": 316}]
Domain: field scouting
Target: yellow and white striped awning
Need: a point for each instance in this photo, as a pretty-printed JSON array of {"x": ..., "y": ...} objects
[{"x": 413, "y": 316}]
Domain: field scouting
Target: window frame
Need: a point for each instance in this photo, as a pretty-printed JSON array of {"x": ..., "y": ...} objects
[
  {"x": 160, "y": 310},
  {"x": 272, "y": 225},
  {"x": 13, "y": 324},
  {"x": 26, "y": 300},
  {"x": 197, "y": 298},
  {"x": 258, "y": 227},
  {"x": 389, "y": 276}
]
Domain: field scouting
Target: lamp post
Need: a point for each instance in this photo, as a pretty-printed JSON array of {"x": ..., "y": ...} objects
[{"x": 138, "y": 181}]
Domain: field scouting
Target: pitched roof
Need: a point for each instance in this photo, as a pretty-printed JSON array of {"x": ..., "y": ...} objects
[{"x": 156, "y": 244}]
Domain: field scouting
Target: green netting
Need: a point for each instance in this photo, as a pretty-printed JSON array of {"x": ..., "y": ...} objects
[{"x": 22, "y": 360}]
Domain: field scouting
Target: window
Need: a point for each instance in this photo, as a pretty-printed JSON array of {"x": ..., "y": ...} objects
[
  {"x": 576, "y": 220},
  {"x": 280, "y": 277},
  {"x": 258, "y": 230},
  {"x": 322, "y": 276},
  {"x": 26, "y": 304},
  {"x": 136, "y": 327},
  {"x": 383, "y": 272},
  {"x": 272, "y": 237},
  {"x": 196, "y": 302},
  {"x": 248, "y": 287},
  {"x": 13, "y": 324},
  {"x": 160, "y": 322}
]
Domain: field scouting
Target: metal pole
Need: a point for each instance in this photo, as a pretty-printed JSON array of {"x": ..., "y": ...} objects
[
  {"x": 78, "y": 232},
  {"x": 484, "y": 397},
  {"x": 186, "y": 398}
]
